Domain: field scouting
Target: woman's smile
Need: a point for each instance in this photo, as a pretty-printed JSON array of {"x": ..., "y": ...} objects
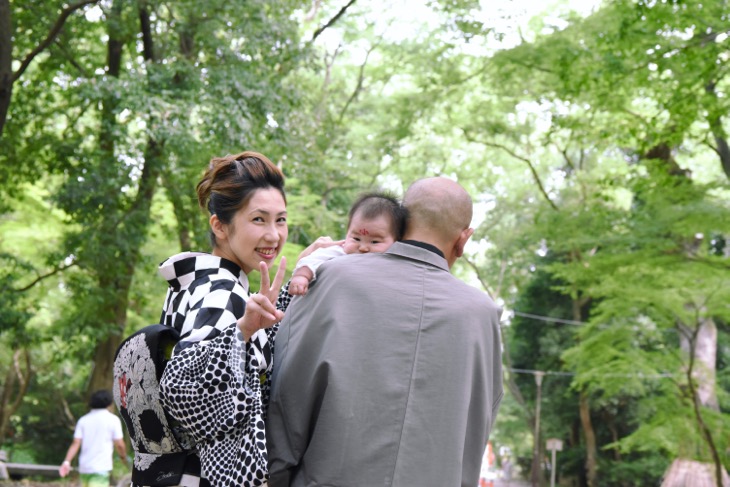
[{"x": 257, "y": 231}]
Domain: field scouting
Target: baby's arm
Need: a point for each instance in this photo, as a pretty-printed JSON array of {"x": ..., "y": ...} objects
[
  {"x": 306, "y": 269},
  {"x": 299, "y": 283}
]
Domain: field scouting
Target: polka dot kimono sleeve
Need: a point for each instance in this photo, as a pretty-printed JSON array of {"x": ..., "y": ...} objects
[{"x": 210, "y": 390}]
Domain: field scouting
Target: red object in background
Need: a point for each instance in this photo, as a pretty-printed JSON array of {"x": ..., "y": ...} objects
[{"x": 488, "y": 464}]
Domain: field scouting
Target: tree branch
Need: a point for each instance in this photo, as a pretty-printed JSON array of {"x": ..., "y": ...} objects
[
  {"x": 567, "y": 159},
  {"x": 533, "y": 66},
  {"x": 516, "y": 156},
  {"x": 55, "y": 30},
  {"x": 697, "y": 403},
  {"x": 358, "y": 87},
  {"x": 8, "y": 404},
  {"x": 716, "y": 127},
  {"x": 68, "y": 415},
  {"x": 38, "y": 279},
  {"x": 313, "y": 11},
  {"x": 70, "y": 59},
  {"x": 331, "y": 21},
  {"x": 507, "y": 377},
  {"x": 23, "y": 380},
  {"x": 480, "y": 278}
]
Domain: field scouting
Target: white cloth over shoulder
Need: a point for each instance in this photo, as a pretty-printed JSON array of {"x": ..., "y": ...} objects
[{"x": 319, "y": 257}]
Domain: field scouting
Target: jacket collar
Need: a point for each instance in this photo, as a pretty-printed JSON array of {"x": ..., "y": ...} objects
[{"x": 419, "y": 251}]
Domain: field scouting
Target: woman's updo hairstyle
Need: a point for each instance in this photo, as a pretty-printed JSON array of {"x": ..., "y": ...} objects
[{"x": 230, "y": 181}]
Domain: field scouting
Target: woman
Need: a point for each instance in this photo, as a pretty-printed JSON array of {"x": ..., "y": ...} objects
[{"x": 216, "y": 383}]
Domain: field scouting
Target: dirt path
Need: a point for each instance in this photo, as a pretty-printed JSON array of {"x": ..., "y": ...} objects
[{"x": 34, "y": 483}]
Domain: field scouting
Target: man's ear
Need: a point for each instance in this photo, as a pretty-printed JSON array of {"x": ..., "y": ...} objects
[
  {"x": 218, "y": 228},
  {"x": 461, "y": 242}
]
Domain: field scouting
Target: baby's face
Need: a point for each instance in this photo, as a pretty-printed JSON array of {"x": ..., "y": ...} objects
[{"x": 368, "y": 235}]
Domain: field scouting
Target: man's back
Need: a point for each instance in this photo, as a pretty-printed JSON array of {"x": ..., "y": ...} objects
[
  {"x": 98, "y": 429},
  {"x": 397, "y": 386}
]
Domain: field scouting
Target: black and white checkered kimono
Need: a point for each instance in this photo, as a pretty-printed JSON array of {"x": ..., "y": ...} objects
[{"x": 216, "y": 385}]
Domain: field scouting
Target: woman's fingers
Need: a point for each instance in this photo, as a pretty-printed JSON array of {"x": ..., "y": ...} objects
[
  {"x": 269, "y": 289},
  {"x": 268, "y": 312},
  {"x": 260, "y": 313},
  {"x": 279, "y": 276},
  {"x": 263, "y": 306},
  {"x": 265, "y": 280}
]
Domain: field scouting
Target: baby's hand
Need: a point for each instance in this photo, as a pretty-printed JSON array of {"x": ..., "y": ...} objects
[{"x": 298, "y": 285}]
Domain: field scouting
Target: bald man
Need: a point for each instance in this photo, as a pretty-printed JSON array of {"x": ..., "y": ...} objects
[{"x": 388, "y": 372}]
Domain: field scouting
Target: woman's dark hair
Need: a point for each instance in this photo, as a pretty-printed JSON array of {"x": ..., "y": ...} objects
[
  {"x": 100, "y": 399},
  {"x": 373, "y": 205},
  {"x": 230, "y": 181}
]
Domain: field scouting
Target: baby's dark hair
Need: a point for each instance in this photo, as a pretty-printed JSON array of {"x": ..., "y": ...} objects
[
  {"x": 375, "y": 204},
  {"x": 230, "y": 181},
  {"x": 100, "y": 399}
]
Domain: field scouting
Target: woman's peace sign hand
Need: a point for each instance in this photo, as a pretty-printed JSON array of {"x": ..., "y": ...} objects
[{"x": 261, "y": 309}]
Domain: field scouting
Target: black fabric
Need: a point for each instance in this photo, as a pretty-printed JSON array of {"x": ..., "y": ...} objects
[
  {"x": 424, "y": 245},
  {"x": 160, "y": 449}
]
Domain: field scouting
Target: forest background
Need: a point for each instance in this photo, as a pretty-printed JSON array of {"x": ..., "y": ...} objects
[{"x": 594, "y": 144}]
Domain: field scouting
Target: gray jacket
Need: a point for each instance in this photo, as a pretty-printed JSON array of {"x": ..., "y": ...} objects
[{"x": 387, "y": 373}]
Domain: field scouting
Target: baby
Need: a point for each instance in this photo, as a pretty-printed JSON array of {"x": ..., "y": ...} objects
[{"x": 376, "y": 220}]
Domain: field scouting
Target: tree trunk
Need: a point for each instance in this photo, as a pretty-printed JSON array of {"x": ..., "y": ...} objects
[
  {"x": 701, "y": 346},
  {"x": 714, "y": 119},
  {"x": 136, "y": 222},
  {"x": 590, "y": 437},
  {"x": 11, "y": 397},
  {"x": 6, "y": 61},
  {"x": 700, "y": 343},
  {"x": 536, "y": 476},
  {"x": 101, "y": 374},
  {"x": 705, "y": 358},
  {"x": 190, "y": 222},
  {"x": 578, "y": 304}
]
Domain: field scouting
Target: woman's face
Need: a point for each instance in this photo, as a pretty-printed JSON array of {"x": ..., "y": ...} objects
[{"x": 256, "y": 233}]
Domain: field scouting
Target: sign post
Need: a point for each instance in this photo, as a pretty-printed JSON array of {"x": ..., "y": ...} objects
[{"x": 553, "y": 444}]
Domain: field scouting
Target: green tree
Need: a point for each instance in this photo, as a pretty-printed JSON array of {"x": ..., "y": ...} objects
[{"x": 599, "y": 75}]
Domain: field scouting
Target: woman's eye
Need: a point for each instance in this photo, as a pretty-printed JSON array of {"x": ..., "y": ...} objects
[
  {"x": 282, "y": 219},
  {"x": 258, "y": 219}
]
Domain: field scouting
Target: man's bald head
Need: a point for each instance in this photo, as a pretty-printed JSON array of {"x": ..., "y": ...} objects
[
  {"x": 439, "y": 212},
  {"x": 439, "y": 204}
]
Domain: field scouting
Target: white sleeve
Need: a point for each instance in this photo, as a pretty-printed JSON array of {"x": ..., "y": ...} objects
[
  {"x": 319, "y": 257},
  {"x": 117, "y": 433},
  {"x": 79, "y": 431}
]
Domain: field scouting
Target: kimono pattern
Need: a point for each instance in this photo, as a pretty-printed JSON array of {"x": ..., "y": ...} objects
[{"x": 216, "y": 385}]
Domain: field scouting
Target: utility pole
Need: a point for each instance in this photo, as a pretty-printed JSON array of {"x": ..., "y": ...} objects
[{"x": 536, "y": 474}]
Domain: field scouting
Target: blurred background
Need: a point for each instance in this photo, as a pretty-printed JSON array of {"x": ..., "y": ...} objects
[{"x": 593, "y": 137}]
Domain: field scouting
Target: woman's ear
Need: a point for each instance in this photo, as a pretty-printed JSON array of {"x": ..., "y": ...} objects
[{"x": 218, "y": 228}]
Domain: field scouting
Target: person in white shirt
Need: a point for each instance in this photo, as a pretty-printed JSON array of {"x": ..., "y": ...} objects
[{"x": 98, "y": 433}]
